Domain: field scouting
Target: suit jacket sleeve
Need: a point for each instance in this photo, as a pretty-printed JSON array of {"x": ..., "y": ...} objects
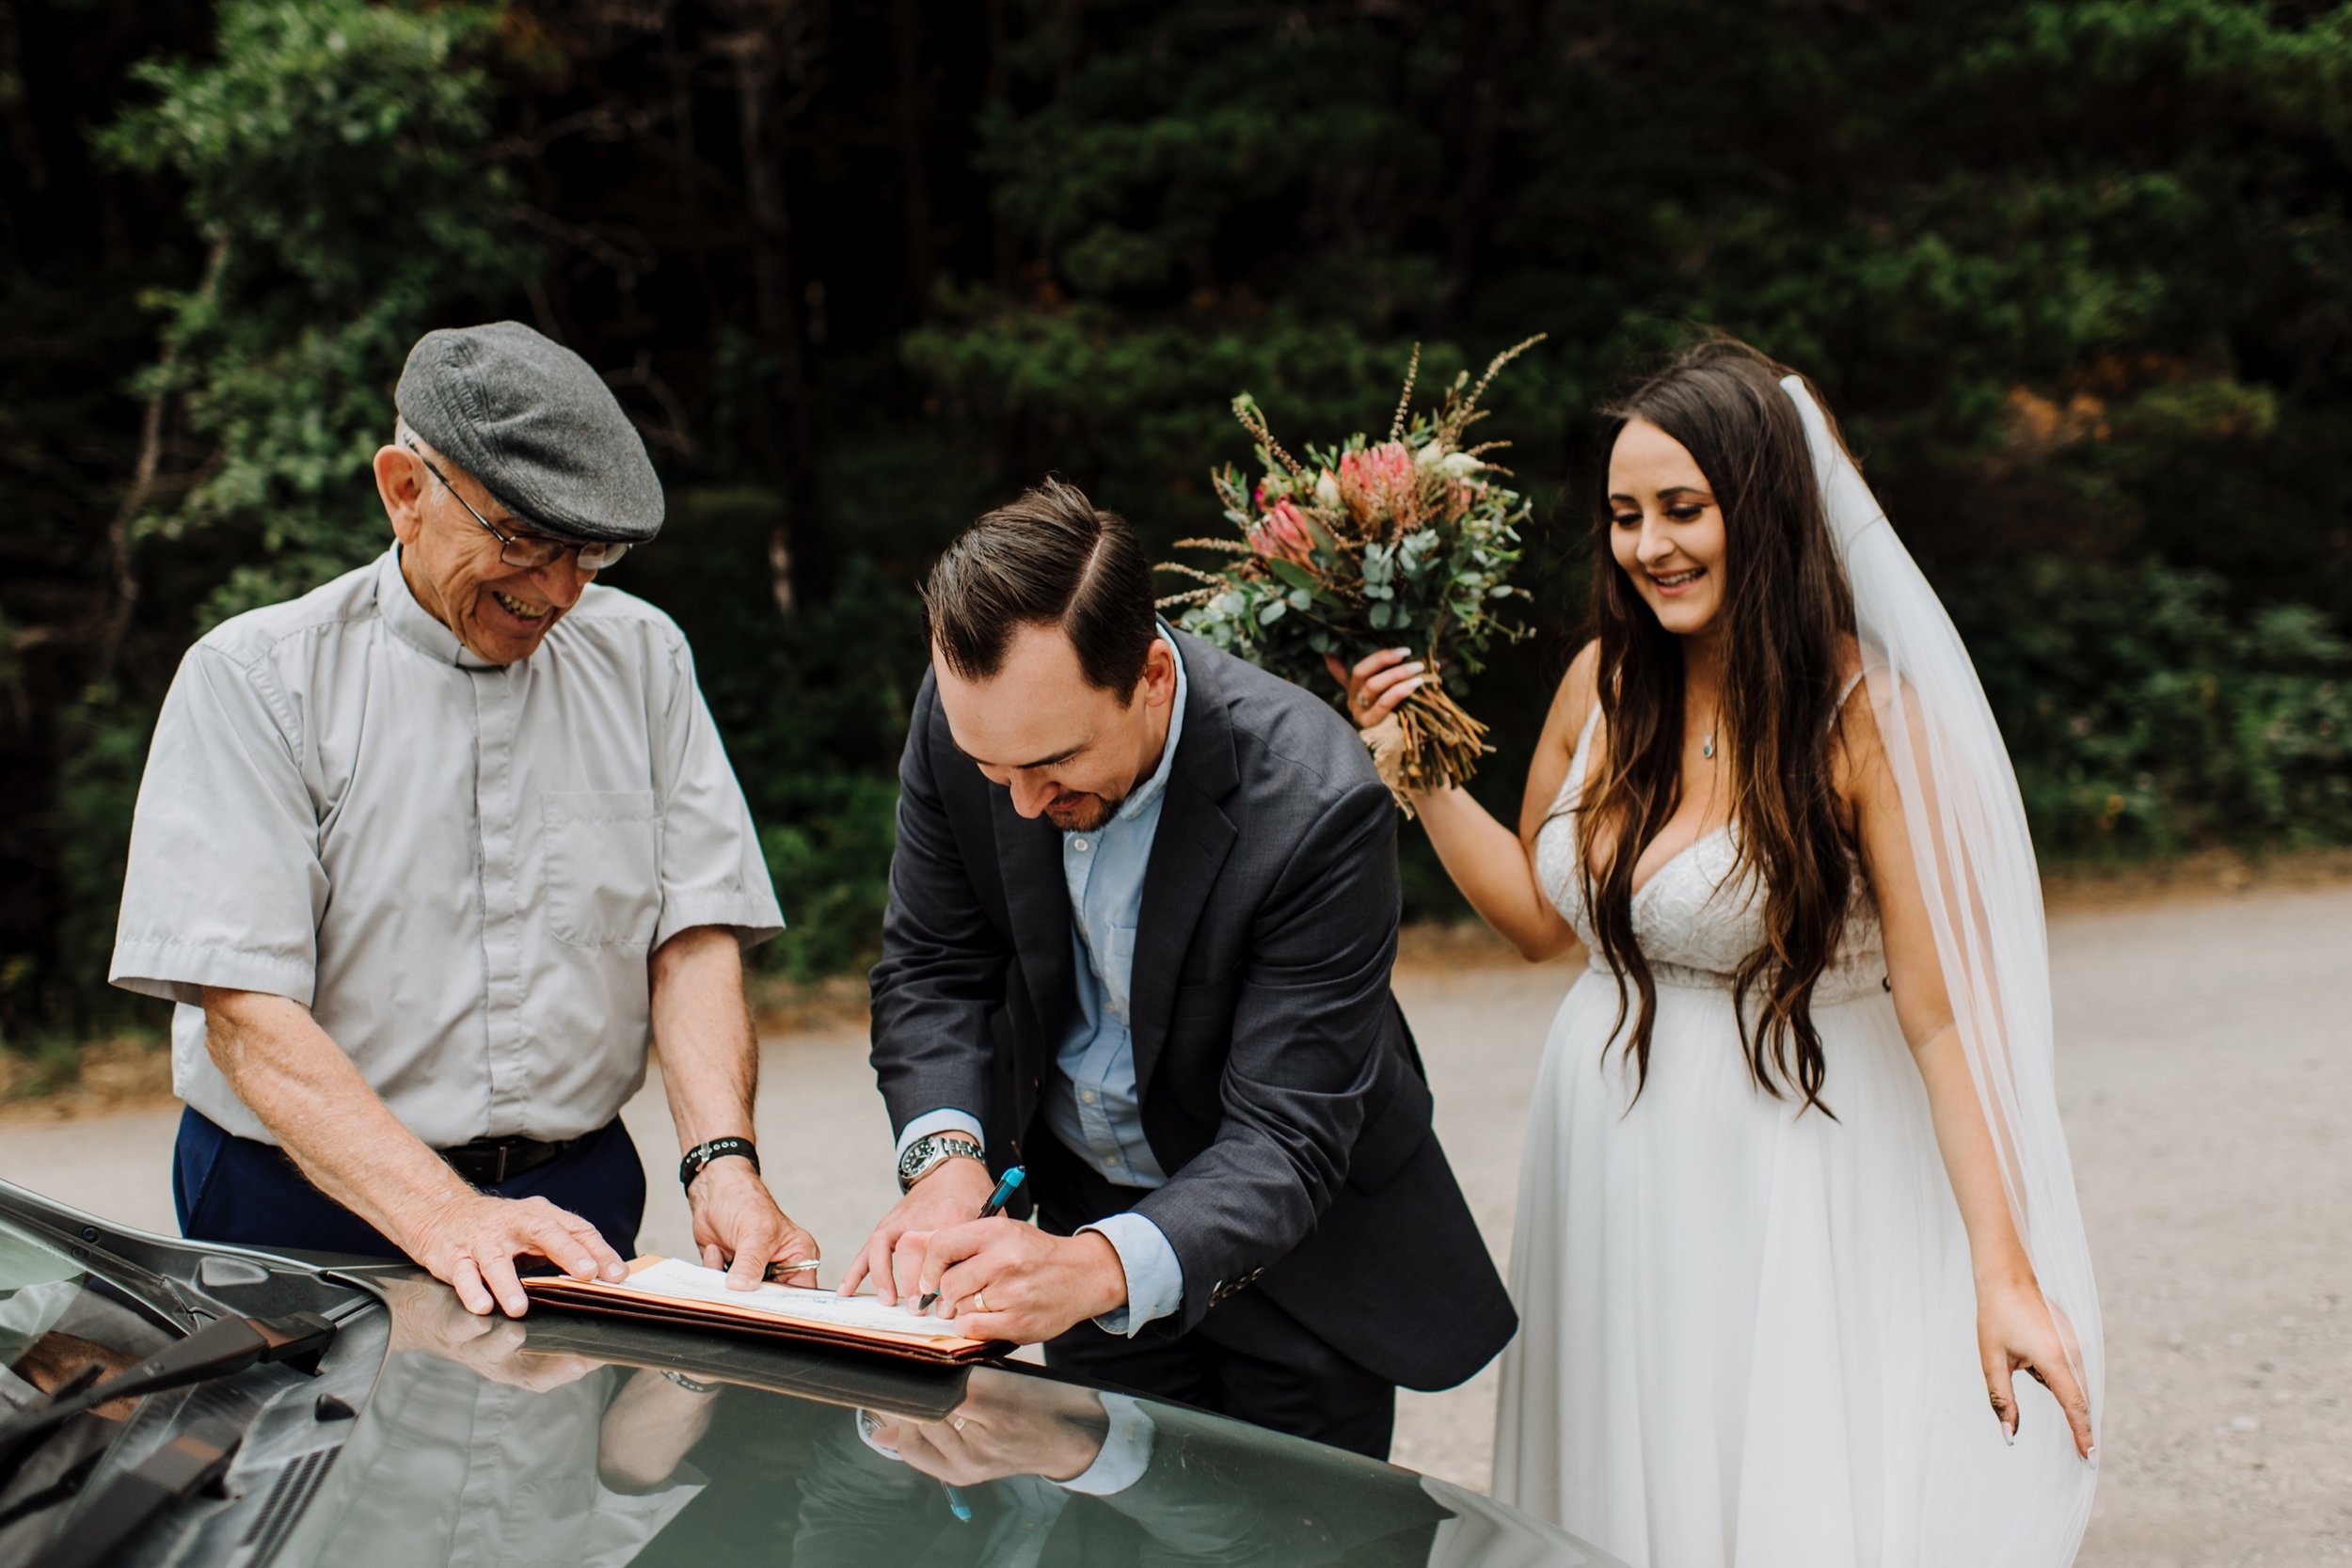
[
  {"x": 1307, "y": 1042},
  {"x": 943, "y": 963}
]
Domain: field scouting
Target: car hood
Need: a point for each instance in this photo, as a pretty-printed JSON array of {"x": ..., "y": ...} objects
[{"x": 431, "y": 1436}]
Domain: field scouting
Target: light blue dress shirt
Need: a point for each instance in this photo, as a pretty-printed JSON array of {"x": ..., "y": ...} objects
[{"x": 1090, "y": 1102}]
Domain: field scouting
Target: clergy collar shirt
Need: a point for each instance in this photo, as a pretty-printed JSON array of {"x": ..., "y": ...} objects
[{"x": 461, "y": 868}]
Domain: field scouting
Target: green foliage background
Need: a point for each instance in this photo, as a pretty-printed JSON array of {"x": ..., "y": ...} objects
[{"x": 2077, "y": 275}]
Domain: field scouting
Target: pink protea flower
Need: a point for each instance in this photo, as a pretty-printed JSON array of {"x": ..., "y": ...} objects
[
  {"x": 1380, "y": 482},
  {"x": 1283, "y": 531}
]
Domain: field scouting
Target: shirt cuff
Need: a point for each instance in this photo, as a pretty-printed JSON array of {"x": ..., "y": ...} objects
[
  {"x": 754, "y": 919},
  {"x": 946, "y": 1120},
  {"x": 178, "y": 971},
  {"x": 1126, "y": 1449},
  {"x": 1155, "y": 1281}
]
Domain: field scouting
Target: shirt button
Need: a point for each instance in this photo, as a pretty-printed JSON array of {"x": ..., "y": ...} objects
[
  {"x": 1080, "y": 845},
  {"x": 1086, "y": 1095}
]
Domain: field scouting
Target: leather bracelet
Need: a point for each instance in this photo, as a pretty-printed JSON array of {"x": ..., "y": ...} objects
[{"x": 717, "y": 1149}]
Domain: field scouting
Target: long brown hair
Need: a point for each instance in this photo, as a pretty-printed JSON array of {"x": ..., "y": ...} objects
[{"x": 1786, "y": 614}]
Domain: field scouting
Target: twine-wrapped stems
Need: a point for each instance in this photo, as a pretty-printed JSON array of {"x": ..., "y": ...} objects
[{"x": 1430, "y": 742}]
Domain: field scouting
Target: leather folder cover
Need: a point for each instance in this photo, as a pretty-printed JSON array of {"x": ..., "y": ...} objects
[
  {"x": 626, "y": 1301},
  {"x": 921, "y": 1392}
]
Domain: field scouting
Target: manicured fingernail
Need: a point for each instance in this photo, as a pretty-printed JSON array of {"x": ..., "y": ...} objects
[
  {"x": 2009, "y": 1436},
  {"x": 2092, "y": 1457}
]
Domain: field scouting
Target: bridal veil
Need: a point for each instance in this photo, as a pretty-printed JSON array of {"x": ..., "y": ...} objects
[{"x": 1983, "y": 893}]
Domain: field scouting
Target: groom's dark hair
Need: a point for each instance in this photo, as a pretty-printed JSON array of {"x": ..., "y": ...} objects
[{"x": 1049, "y": 558}]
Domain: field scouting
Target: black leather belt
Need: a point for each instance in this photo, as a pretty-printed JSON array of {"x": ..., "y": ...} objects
[{"x": 487, "y": 1162}]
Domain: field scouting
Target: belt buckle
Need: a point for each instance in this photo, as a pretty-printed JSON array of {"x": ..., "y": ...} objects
[{"x": 498, "y": 1169}]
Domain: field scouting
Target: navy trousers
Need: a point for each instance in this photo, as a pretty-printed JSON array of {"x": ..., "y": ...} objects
[{"x": 249, "y": 1194}]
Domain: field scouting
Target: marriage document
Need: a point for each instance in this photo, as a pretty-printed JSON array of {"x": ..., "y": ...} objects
[{"x": 668, "y": 1289}]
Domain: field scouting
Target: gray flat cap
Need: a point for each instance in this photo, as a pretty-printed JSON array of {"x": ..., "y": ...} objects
[{"x": 529, "y": 418}]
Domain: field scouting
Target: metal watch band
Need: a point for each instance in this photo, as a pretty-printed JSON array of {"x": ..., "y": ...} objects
[
  {"x": 702, "y": 1154},
  {"x": 927, "y": 1154}
]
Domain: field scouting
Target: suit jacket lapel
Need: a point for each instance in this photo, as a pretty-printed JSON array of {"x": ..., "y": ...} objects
[
  {"x": 1036, "y": 897},
  {"x": 1188, "y": 850}
]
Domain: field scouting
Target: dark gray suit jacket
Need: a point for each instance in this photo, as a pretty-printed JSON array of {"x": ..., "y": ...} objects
[{"x": 1278, "y": 1085}]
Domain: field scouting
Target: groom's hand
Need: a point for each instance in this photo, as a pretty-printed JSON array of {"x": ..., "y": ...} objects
[
  {"x": 1004, "y": 1279},
  {"x": 892, "y": 1256}
]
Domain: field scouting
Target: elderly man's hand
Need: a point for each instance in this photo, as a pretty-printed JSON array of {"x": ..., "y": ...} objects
[
  {"x": 739, "y": 1229},
  {"x": 472, "y": 1242}
]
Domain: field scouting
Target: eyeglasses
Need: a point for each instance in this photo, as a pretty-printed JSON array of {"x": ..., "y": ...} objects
[{"x": 529, "y": 551}]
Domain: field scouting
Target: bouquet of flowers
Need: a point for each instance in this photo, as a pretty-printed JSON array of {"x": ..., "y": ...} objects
[{"x": 1401, "y": 542}]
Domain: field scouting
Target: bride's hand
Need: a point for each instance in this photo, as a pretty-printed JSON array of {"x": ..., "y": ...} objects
[
  {"x": 2017, "y": 1331},
  {"x": 1379, "y": 683}
]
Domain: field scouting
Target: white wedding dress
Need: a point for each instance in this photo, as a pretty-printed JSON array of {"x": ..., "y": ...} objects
[{"x": 1748, "y": 1336}]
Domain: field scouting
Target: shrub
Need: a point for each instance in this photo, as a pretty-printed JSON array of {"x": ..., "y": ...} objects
[{"x": 2147, "y": 716}]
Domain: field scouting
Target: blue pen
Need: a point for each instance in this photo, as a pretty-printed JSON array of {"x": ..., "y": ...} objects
[
  {"x": 989, "y": 1211},
  {"x": 956, "y": 1504}
]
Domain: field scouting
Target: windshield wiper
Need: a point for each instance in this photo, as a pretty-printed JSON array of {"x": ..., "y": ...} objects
[
  {"x": 194, "y": 1460},
  {"x": 218, "y": 1348}
]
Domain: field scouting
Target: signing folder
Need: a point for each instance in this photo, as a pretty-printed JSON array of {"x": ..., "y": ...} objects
[
  {"x": 920, "y": 1391},
  {"x": 679, "y": 1294}
]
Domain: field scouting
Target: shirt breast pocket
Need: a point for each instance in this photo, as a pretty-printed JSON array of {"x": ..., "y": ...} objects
[{"x": 603, "y": 865}]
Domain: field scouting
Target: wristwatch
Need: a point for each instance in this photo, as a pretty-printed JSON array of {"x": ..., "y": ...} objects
[{"x": 928, "y": 1153}]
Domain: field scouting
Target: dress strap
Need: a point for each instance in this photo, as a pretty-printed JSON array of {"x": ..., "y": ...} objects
[
  {"x": 1584, "y": 746},
  {"x": 1577, "y": 759}
]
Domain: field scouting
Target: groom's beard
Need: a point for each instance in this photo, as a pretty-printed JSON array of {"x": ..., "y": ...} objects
[{"x": 1084, "y": 814}]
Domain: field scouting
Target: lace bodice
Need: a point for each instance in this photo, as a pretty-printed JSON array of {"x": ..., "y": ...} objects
[{"x": 1696, "y": 917}]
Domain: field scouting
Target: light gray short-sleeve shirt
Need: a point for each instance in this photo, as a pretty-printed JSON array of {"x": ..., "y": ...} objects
[{"x": 460, "y": 868}]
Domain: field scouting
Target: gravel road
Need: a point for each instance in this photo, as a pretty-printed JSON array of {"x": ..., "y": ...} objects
[{"x": 2206, "y": 1070}]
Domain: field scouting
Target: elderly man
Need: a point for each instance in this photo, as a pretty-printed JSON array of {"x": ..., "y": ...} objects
[{"x": 430, "y": 856}]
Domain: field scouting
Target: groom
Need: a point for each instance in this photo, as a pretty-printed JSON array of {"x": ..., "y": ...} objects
[{"x": 1142, "y": 913}]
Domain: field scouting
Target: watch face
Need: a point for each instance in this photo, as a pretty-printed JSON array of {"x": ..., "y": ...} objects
[{"x": 928, "y": 1150}]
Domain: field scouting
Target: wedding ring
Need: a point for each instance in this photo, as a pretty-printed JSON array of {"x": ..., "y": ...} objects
[
  {"x": 957, "y": 1421},
  {"x": 979, "y": 1299}
]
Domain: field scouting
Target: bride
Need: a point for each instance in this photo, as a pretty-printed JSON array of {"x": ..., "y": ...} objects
[{"x": 1795, "y": 1204}]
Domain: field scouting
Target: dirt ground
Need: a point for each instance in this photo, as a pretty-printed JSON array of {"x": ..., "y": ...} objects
[{"x": 2206, "y": 1069}]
